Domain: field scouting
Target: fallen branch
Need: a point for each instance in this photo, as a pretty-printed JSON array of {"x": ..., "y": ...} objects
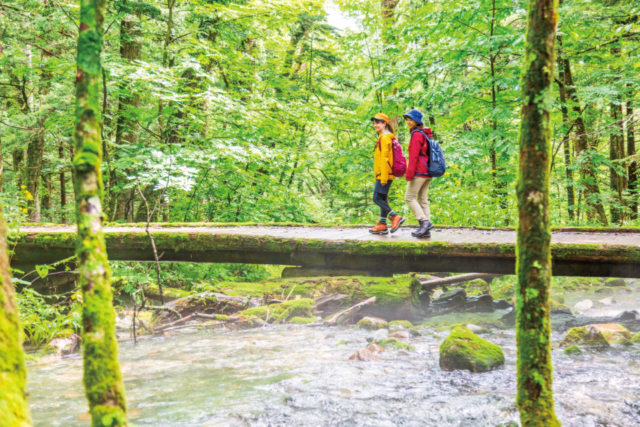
[
  {"x": 165, "y": 308},
  {"x": 356, "y": 307},
  {"x": 432, "y": 284}
]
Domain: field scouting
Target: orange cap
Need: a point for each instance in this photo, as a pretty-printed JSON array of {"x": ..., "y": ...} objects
[{"x": 381, "y": 116}]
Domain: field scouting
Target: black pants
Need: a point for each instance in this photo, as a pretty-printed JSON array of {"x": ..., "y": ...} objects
[{"x": 381, "y": 200}]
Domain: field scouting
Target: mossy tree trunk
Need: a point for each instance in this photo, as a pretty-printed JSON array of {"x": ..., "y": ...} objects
[
  {"x": 533, "y": 252},
  {"x": 571, "y": 198},
  {"x": 102, "y": 378},
  {"x": 633, "y": 165},
  {"x": 14, "y": 410}
]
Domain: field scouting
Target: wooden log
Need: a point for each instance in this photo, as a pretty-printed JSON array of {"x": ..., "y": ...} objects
[
  {"x": 298, "y": 272},
  {"x": 432, "y": 284},
  {"x": 334, "y": 319}
]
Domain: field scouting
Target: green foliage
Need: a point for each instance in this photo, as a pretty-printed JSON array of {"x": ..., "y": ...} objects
[{"x": 43, "y": 321}]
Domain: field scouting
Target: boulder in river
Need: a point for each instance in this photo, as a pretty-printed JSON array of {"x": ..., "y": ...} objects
[
  {"x": 587, "y": 336},
  {"x": 463, "y": 349},
  {"x": 636, "y": 338},
  {"x": 478, "y": 329},
  {"x": 372, "y": 323},
  {"x": 453, "y": 298},
  {"x": 614, "y": 282},
  {"x": 364, "y": 355},
  {"x": 401, "y": 335},
  {"x": 613, "y": 332},
  {"x": 626, "y": 315},
  {"x": 614, "y": 290},
  {"x": 394, "y": 344},
  {"x": 302, "y": 307},
  {"x": 558, "y": 308},
  {"x": 572, "y": 350},
  {"x": 608, "y": 301},
  {"x": 481, "y": 303},
  {"x": 501, "y": 304},
  {"x": 584, "y": 305}
]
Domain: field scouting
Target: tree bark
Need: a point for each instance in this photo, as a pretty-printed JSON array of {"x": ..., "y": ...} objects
[
  {"x": 102, "y": 377},
  {"x": 591, "y": 192},
  {"x": 14, "y": 410},
  {"x": 633, "y": 165},
  {"x": 127, "y": 125},
  {"x": 616, "y": 155},
  {"x": 33, "y": 170},
  {"x": 533, "y": 250},
  {"x": 571, "y": 197},
  {"x": 63, "y": 188}
]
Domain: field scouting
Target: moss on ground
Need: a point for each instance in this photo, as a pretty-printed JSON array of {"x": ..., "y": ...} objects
[
  {"x": 615, "y": 282},
  {"x": 572, "y": 350},
  {"x": 463, "y": 349},
  {"x": 394, "y": 344},
  {"x": 287, "y": 310}
]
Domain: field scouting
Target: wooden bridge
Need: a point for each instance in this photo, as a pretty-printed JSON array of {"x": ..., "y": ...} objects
[{"x": 576, "y": 252}]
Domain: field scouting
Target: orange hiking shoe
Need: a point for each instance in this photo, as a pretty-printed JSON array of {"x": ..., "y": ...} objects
[
  {"x": 380, "y": 228},
  {"x": 396, "y": 222}
]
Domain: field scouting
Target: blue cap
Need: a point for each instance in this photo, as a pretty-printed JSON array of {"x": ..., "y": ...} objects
[{"x": 414, "y": 115}]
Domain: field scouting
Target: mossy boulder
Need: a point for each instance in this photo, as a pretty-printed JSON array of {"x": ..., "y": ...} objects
[
  {"x": 572, "y": 350},
  {"x": 614, "y": 290},
  {"x": 394, "y": 344},
  {"x": 558, "y": 308},
  {"x": 302, "y": 307},
  {"x": 635, "y": 339},
  {"x": 302, "y": 320},
  {"x": 463, "y": 349},
  {"x": 586, "y": 336},
  {"x": 400, "y": 324},
  {"x": 615, "y": 283},
  {"x": 372, "y": 323},
  {"x": 476, "y": 287},
  {"x": 613, "y": 332}
]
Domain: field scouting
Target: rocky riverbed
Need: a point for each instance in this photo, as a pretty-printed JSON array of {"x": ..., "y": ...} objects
[{"x": 295, "y": 375}]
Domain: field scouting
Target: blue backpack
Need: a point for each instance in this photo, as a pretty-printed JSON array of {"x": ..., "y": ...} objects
[{"x": 437, "y": 163}]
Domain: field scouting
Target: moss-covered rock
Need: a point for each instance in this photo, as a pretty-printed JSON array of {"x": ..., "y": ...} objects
[
  {"x": 612, "y": 332},
  {"x": 586, "y": 336},
  {"x": 614, "y": 290},
  {"x": 302, "y": 320},
  {"x": 302, "y": 307},
  {"x": 476, "y": 287},
  {"x": 463, "y": 349},
  {"x": 400, "y": 324},
  {"x": 572, "y": 350},
  {"x": 394, "y": 344},
  {"x": 615, "y": 282},
  {"x": 635, "y": 339},
  {"x": 372, "y": 323},
  {"x": 558, "y": 308}
]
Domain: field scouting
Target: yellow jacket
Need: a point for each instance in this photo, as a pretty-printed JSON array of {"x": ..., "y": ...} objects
[{"x": 383, "y": 158}]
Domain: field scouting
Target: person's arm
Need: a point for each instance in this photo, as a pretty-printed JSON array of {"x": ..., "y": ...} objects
[
  {"x": 387, "y": 154},
  {"x": 414, "y": 153}
]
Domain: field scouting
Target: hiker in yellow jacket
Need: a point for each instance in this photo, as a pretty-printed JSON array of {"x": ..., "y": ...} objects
[{"x": 382, "y": 164}]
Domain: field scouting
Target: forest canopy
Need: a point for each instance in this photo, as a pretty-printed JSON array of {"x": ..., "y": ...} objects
[{"x": 235, "y": 111}]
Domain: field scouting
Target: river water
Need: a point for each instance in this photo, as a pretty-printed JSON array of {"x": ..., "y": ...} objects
[{"x": 301, "y": 376}]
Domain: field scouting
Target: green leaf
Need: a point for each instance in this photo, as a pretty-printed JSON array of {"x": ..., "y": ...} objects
[{"x": 43, "y": 270}]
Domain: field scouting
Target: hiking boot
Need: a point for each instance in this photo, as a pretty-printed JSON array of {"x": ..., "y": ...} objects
[
  {"x": 396, "y": 222},
  {"x": 380, "y": 228},
  {"x": 425, "y": 227}
]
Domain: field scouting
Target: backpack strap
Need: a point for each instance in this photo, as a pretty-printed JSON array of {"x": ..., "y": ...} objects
[{"x": 426, "y": 137}]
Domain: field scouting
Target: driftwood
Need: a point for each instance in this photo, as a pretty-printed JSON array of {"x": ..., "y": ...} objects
[
  {"x": 351, "y": 310},
  {"x": 432, "y": 284},
  {"x": 329, "y": 298},
  {"x": 172, "y": 325}
]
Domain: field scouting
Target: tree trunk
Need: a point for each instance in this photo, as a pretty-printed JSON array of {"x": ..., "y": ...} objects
[
  {"x": 102, "y": 378},
  {"x": 14, "y": 410},
  {"x": 633, "y": 165},
  {"x": 571, "y": 197},
  {"x": 63, "y": 188},
  {"x": 589, "y": 178},
  {"x": 535, "y": 397},
  {"x": 616, "y": 155},
  {"x": 46, "y": 197},
  {"x": 127, "y": 123},
  {"x": 35, "y": 152}
]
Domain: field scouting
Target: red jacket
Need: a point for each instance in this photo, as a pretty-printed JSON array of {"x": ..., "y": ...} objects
[{"x": 418, "y": 160}]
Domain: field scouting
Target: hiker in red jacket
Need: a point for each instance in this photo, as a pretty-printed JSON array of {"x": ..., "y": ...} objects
[{"x": 418, "y": 178}]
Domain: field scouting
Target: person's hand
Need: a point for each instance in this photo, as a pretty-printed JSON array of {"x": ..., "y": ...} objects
[{"x": 384, "y": 183}]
